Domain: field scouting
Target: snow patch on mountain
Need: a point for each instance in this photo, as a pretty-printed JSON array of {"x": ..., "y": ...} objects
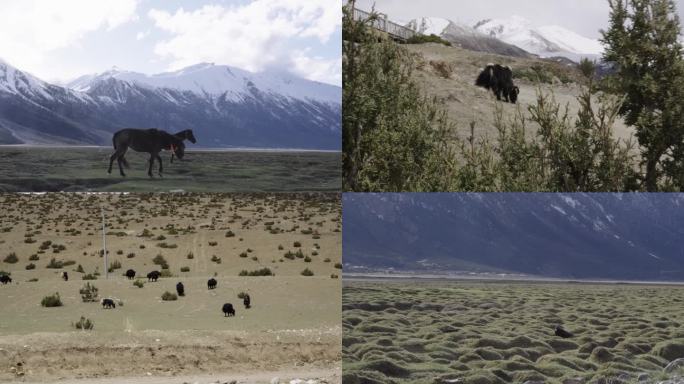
[
  {"x": 551, "y": 40},
  {"x": 220, "y": 80}
]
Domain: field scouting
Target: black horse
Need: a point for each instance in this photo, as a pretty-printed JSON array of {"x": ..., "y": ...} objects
[
  {"x": 185, "y": 135},
  {"x": 151, "y": 141}
]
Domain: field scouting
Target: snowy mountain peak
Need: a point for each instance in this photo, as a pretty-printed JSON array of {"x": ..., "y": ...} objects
[
  {"x": 429, "y": 25},
  {"x": 545, "y": 41},
  {"x": 221, "y": 81},
  {"x": 16, "y": 82}
]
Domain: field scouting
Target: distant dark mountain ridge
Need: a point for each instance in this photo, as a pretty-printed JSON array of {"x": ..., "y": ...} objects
[{"x": 575, "y": 236}]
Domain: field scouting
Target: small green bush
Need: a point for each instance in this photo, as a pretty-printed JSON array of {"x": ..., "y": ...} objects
[
  {"x": 431, "y": 38},
  {"x": 258, "y": 272},
  {"x": 55, "y": 264},
  {"x": 307, "y": 272},
  {"x": 161, "y": 261},
  {"x": 89, "y": 276},
  {"x": 168, "y": 296},
  {"x": 11, "y": 258},
  {"x": 88, "y": 293},
  {"x": 34, "y": 257},
  {"x": 139, "y": 283},
  {"x": 338, "y": 265},
  {"x": 84, "y": 324},
  {"x": 190, "y": 256},
  {"x": 185, "y": 269},
  {"x": 51, "y": 301},
  {"x": 30, "y": 266}
]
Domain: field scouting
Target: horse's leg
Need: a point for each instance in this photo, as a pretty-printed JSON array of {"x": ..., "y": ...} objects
[
  {"x": 120, "y": 160},
  {"x": 111, "y": 160},
  {"x": 149, "y": 170},
  {"x": 160, "y": 164}
]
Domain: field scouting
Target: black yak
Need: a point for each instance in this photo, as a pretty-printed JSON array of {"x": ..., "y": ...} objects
[
  {"x": 130, "y": 274},
  {"x": 108, "y": 303},
  {"x": 65, "y": 276},
  {"x": 180, "y": 289},
  {"x": 211, "y": 283},
  {"x": 4, "y": 279},
  {"x": 153, "y": 276},
  {"x": 228, "y": 310},
  {"x": 246, "y": 301},
  {"x": 500, "y": 80},
  {"x": 562, "y": 332}
]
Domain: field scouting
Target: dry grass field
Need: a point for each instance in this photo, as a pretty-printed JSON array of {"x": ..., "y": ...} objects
[
  {"x": 411, "y": 331},
  {"x": 291, "y": 330}
]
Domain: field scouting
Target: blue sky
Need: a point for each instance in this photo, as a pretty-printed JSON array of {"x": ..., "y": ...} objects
[{"x": 60, "y": 40}]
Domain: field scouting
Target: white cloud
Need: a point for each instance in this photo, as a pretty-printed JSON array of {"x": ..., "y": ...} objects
[
  {"x": 31, "y": 29},
  {"x": 141, "y": 35},
  {"x": 255, "y": 36},
  {"x": 317, "y": 68}
]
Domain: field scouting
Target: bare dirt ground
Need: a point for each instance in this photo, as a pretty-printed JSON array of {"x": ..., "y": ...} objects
[
  {"x": 465, "y": 102},
  {"x": 292, "y": 331}
]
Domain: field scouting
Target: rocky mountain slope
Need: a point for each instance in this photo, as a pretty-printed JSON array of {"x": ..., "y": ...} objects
[
  {"x": 608, "y": 236},
  {"x": 225, "y": 106}
]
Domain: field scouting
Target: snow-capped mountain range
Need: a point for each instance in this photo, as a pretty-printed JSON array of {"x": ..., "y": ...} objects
[
  {"x": 544, "y": 41},
  {"x": 577, "y": 236},
  {"x": 225, "y": 106}
]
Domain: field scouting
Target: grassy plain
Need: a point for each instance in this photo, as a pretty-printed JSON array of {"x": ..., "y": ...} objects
[
  {"x": 50, "y": 169},
  {"x": 291, "y": 330},
  {"x": 412, "y": 331}
]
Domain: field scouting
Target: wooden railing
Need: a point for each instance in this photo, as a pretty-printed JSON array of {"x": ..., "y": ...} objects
[{"x": 396, "y": 31}]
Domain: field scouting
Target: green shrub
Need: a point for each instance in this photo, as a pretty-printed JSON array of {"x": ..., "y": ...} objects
[
  {"x": 307, "y": 272},
  {"x": 139, "y": 283},
  {"x": 216, "y": 259},
  {"x": 51, "y": 301},
  {"x": 55, "y": 264},
  {"x": 130, "y": 255},
  {"x": 165, "y": 273},
  {"x": 84, "y": 324},
  {"x": 80, "y": 269},
  {"x": 230, "y": 234},
  {"x": 242, "y": 295},
  {"x": 190, "y": 256},
  {"x": 165, "y": 245},
  {"x": 213, "y": 243},
  {"x": 185, "y": 269},
  {"x": 89, "y": 277},
  {"x": 116, "y": 264},
  {"x": 161, "y": 261},
  {"x": 34, "y": 257},
  {"x": 307, "y": 259},
  {"x": 334, "y": 276},
  {"x": 431, "y": 38},
  {"x": 168, "y": 296},
  {"x": 258, "y": 272},
  {"x": 297, "y": 244},
  {"x": 88, "y": 293},
  {"x": 30, "y": 266},
  {"x": 338, "y": 265},
  {"x": 243, "y": 254},
  {"x": 11, "y": 258}
]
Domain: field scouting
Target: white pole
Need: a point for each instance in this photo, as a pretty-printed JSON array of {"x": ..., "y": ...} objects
[{"x": 104, "y": 245}]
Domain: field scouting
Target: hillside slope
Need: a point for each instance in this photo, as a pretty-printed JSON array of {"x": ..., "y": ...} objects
[
  {"x": 609, "y": 236},
  {"x": 465, "y": 102}
]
